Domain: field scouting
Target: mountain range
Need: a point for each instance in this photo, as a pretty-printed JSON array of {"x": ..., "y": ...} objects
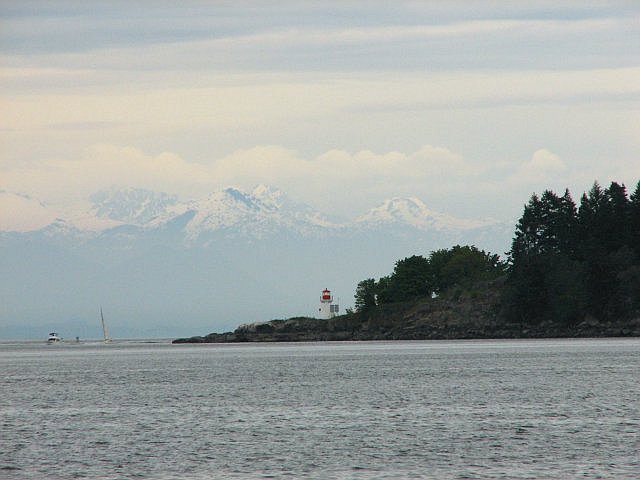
[{"x": 162, "y": 267}]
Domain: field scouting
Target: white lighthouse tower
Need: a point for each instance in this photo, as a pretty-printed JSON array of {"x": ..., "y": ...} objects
[{"x": 327, "y": 308}]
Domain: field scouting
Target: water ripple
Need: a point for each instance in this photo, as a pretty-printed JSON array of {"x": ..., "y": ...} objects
[{"x": 548, "y": 409}]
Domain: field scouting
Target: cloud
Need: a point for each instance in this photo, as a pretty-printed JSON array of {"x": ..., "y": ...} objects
[
  {"x": 545, "y": 161},
  {"x": 544, "y": 166},
  {"x": 21, "y": 213},
  {"x": 126, "y": 104},
  {"x": 439, "y": 102},
  {"x": 102, "y": 166},
  {"x": 338, "y": 182},
  {"x": 336, "y": 179},
  {"x": 279, "y": 44}
]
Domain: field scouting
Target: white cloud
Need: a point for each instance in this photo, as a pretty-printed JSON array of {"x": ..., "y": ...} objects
[
  {"x": 544, "y": 166},
  {"x": 337, "y": 181},
  {"x": 21, "y": 213},
  {"x": 272, "y": 46},
  {"x": 334, "y": 112},
  {"x": 102, "y": 166},
  {"x": 545, "y": 161},
  {"x": 342, "y": 181},
  {"x": 299, "y": 38},
  {"x": 144, "y": 103}
]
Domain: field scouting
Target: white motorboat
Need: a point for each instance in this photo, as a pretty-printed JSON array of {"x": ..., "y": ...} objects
[{"x": 54, "y": 338}]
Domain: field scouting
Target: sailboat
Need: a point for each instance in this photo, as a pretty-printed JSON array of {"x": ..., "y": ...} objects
[{"x": 105, "y": 332}]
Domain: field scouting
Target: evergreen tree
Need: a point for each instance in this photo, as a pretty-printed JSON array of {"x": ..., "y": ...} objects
[
  {"x": 605, "y": 229},
  {"x": 543, "y": 283},
  {"x": 547, "y": 226},
  {"x": 621, "y": 295},
  {"x": 603, "y": 220},
  {"x": 565, "y": 290},
  {"x": 565, "y": 225},
  {"x": 528, "y": 231},
  {"x": 616, "y": 221},
  {"x": 566, "y": 263},
  {"x": 526, "y": 289},
  {"x": 634, "y": 221}
]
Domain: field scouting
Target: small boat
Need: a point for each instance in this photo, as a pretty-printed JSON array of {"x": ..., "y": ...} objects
[
  {"x": 54, "y": 338},
  {"x": 105, "y": 332}
]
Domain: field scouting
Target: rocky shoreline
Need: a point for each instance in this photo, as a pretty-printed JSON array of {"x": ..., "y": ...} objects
[{"x": 464, "y": 315}]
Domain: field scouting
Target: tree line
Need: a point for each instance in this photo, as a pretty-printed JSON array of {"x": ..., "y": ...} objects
[
  {"x": 417, "y": 276},
  {"x": 567, "y": 262},
  {"x": 571, "y": 261}
]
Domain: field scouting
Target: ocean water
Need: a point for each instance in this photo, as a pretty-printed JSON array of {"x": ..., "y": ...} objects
[{"x": 552, "y": 409}]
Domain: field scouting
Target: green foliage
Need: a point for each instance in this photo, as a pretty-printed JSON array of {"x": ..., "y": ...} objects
[
  {"x": 416, "y": 276},
  {"x": 365, "y": 295},
  {"x": 567, "y": 263},
  {"x": 462, "y": 266},
  {"x": 410, "y": 279},
  {"x": 384, "y": 290}
]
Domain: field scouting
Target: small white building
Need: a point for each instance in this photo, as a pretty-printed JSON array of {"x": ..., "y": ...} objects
[{"x": 328, "y": 309}]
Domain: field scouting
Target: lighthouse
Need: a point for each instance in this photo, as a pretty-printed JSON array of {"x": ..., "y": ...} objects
[{"x": 327, "y": 308}]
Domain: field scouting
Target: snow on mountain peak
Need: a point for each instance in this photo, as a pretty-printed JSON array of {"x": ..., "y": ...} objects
[
  {"x": 413, "y": 212},
  {"x": 228, "y": 209},
  {"x": 262, "y": 212},
  {"x": 131, "y": 205},
  {"x": 270, "y": 196},
  {"x": 241, "y": 197},
  {"x": 259, "y": 213}
]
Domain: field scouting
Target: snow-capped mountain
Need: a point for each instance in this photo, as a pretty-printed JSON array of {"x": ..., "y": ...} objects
[
  {"x": 131, "y": 206},
  {"x": 258, "y": 214},
  {"x": 412, "y": 212}
]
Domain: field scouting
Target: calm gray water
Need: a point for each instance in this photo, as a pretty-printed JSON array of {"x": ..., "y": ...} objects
[{"x": 478, "y": 409}]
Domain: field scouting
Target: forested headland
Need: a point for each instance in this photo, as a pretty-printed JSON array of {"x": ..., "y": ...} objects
[
  {"x": 567, "y": 262},
  {"x": 573, "y": 270}
]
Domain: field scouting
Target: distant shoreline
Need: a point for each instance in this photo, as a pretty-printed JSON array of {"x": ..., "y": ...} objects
[
  {"x": 322, "y": 335},
  {"x": 467, "y": 317}
]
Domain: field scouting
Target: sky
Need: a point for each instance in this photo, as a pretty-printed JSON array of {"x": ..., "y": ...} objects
[{"x": 470, "y": 106}]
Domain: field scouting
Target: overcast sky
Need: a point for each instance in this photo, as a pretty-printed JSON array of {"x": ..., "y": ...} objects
[{"x": 470, "y": 106}]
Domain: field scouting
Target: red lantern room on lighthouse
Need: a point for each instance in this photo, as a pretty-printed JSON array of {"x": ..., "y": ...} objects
[{"x": 327, "y": 308}]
